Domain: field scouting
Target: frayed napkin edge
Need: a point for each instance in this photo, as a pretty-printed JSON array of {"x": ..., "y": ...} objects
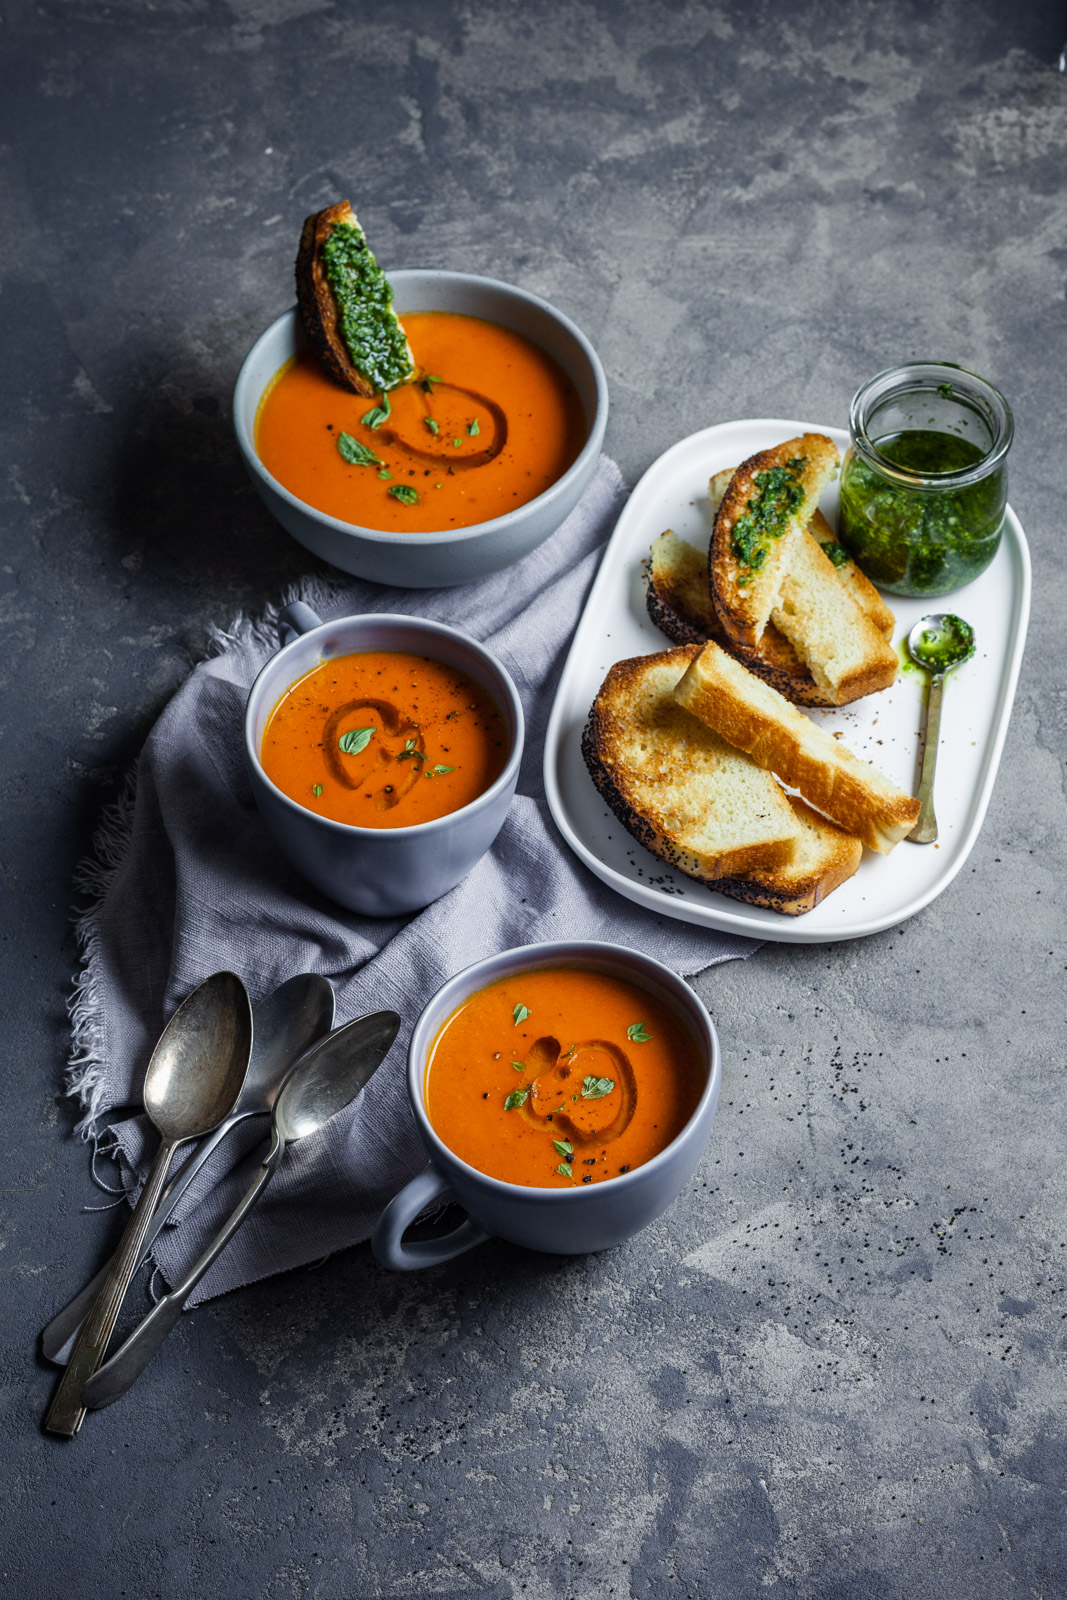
[{"x": 96, "y": 871}]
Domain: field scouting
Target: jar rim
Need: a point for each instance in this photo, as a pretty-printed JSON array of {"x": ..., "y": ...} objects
[{"x": 917, "y": 377}]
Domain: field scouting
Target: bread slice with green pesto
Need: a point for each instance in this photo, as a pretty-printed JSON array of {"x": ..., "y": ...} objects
[
  {"x": 768, "y": 503},
  {"x": 346, "y": 305},
  {"x": 824, "y": 858},
  {"x": 677, "y": 787},
  {"x": 857, "y": 583},
  {"x": 756, "y": 719}
]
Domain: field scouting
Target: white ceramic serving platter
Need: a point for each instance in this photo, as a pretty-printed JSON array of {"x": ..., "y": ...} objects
[{"x": 883, "y": 728}]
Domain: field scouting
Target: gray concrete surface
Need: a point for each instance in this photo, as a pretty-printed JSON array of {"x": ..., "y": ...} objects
[{"x": 836, "y": 1371}]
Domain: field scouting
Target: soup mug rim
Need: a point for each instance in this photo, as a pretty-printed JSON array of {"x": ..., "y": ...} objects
[
  {"x": 594, "y": 419},
  {"x": 537, "y": 957},
  {"x": 412, "y": 829}
]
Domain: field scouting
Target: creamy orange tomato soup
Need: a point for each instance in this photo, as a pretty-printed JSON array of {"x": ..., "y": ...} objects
[
  {"x": 562, "y": 1077},
  {"x": 383, "y": 739},
  {"x": 489, "y": 423}
]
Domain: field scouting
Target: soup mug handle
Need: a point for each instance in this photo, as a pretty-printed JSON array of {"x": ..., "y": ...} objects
[
  {"x": 387, "y": 1241},
  {"x": 295, "y": 619}
]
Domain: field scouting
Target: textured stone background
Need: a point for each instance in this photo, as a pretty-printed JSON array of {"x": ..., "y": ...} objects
[{"x": 835, "y": 1370}]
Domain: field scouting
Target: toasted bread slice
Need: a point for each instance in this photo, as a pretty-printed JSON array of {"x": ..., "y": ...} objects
[
  {"x": 681, "y": 790},
  {"x": 781, "y": 739},
  {"x": 844, "y": 651},
  {"x": 857, "y": 583},
  {"x": 769, "y": 502},
  {"x": 679, "y": 603},
  {"x": 678, "y": 598},
  {"x": 825, "y": 856},
  {"x": 346, "y": 305}
]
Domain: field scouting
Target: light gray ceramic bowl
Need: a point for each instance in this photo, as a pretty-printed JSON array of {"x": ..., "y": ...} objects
[
  {"x": 429, "y": 560},
  {"x": 558, "y": 1221},
  {"x": 379, "y": 872}
]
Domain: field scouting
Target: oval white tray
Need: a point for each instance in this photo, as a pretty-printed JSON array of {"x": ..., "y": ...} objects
[{"x": 884, "y": 728}]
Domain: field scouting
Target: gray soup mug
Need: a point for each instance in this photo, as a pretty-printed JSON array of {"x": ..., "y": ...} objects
[
  {"x": 380, "y": 872},
  {"x": 556, "y": 1221}
]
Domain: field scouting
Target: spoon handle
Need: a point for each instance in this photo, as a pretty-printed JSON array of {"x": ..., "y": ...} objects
[
  {"x": 925, "y": 830},
  {"x": 57, "y": 1339},
  {"x": 66, "y": 1413},
  {"x": 112, "y": 1380}
]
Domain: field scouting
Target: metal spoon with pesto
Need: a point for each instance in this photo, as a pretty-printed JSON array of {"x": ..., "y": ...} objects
[{"x": 937, "y": 643}]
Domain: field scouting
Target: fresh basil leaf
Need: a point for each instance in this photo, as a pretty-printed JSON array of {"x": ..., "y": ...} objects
[
  {"x": 430, "y": 423},
  {"x": 316, "y": 789},
  {"x": 520, "y": 1014},
  {"x": 473, "y": 428},
  {"x": 564, "y": 1170},
  {"x": 563, "y": 1148},
  {"x": 428, "y": 382},
  {"x": 381, "y": 413},
  {"x": 356, "y": 454},
  {"x": 596, "y": 1088},
  {"x": 355, "y": 740},
  {"x": 516, "y": 1098},
  {"x": 457, "y": 443},
  {"x": 385, "y": 473},
  {"x": 638, "y": 1033},
  {"x": 520, "y": 1066},
  {"x": 410, "y": 752},
  {"x": 404, "y": 493},
  {"x": 440, "y": 771}
]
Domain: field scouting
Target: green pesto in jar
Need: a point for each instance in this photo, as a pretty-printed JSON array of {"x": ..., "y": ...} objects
[
  {"x": 780, "y": 493},
  {"x": 366, "y": 319},
  {"x": 928, "y": 537}
]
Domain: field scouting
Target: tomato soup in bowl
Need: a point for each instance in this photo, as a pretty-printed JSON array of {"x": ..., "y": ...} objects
[
  {"x": 384, "y": 739},
  {"x": 456, "y": 475},
  {"x": 564, "y": 1093},
  {"x": 383, "y": 753}
]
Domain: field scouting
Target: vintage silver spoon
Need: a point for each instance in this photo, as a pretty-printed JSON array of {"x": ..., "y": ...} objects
[
  {"x": 192, "y": 1083},
  {"x": 937, "y": 644},
  {"x": 322, "y": 1083},
  {"x": 285, "y": 1023}
]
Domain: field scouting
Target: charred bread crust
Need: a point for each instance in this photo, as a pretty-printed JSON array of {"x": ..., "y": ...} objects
[
  {"x": 675, "y": 625},
  {"x": 791, "y": 890}
]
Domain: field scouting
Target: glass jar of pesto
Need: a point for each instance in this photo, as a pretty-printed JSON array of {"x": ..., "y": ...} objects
[{"x": 924, "y": 481}]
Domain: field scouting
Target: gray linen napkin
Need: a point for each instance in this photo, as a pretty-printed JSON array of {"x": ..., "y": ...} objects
[{"x": 187, "y": 881}]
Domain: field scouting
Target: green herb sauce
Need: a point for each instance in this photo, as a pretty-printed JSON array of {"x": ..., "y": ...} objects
[
  {"x": 780, "y": 493},
  {"x": 944, "y": 647},
  {"x": 368, "y": 324},
  {"x": 836, "y": 553},
  {"x": 927, "y": 539}
]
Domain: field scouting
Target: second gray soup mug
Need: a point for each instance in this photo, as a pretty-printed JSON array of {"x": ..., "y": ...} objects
[{"x": 380, "y": 872}]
